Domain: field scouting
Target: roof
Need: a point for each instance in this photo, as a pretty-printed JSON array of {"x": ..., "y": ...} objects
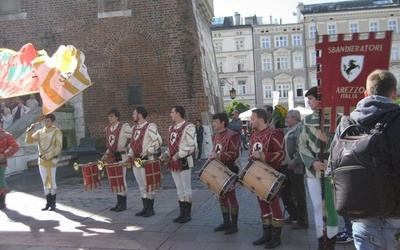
[{"x": 347, "y": 6}]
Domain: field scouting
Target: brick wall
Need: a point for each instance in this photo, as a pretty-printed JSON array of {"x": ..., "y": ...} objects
[{"x": 157, "y": 47}]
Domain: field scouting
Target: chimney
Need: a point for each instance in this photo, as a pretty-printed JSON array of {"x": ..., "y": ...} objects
[
  {"x": 237, "y": 18},
  {"x": 270, "y": 19}
]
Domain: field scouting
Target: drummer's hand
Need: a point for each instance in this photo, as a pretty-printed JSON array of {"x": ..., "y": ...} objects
[
  {"x": 128, "y": 159},
  {"x": 163, "y": 157},
  {"x": 322, "y": 136},
  {"x": 213, "y": 155},
  {"x": 256, "y": 155},
  {"x": 143, "y": 155},
  {"x": 174, "y": 158},
  {"x": 104, "y": 158},
  {"x": 122, "y": 149},
  {"x": 318, "y": 165}
]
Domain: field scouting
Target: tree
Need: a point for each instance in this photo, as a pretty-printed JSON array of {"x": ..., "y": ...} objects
[{"x": 236, "y": 105}]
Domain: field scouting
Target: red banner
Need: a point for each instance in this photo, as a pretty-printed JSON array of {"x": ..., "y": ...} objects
[{"x": 343, "y": 65}]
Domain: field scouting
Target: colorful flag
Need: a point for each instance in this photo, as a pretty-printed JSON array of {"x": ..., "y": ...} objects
[
  {"x": 343, "y": 65},
  {"x": 17, "y": 76},
  {"x": 61, "y": 77}
]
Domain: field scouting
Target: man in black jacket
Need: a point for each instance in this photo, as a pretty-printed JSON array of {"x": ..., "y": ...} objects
[{"x": 381, "y": 91}]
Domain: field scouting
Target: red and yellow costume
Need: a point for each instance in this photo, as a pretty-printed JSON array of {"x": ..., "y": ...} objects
[
  {"x": 226, "y": 146},
  {"x": 146, "y": 140},
  {"x": 8, "y": 147},
  {"x": 271, "y": 144}
]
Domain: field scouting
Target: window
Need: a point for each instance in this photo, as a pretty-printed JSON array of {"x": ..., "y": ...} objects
[
  {"x": 283, "y": 90},
  {"x": 394, "y": 53},
  {"x": 10, "y": 6},
  {"x": 239, "y": 45},
  {"x": 397, "y": 75},
  {"x": 281, "y": 41},
  {"x": 135, "y": 94},
  {"x": 242, "y": 88},
  {"x": 267, "y": 91},
  {"x": 240, "y": 64},
  {"x": 312, "y": 31},
  {"x": 297, "y": 40},
  {"x": 373, "y": 26},
  {"x": 266, "y": 64},
  {"x": 218, "y": 21},
  {"x": 331, "y": 29},
  {"x": 218, "y": 46},
  {"x": 392, "y": 25},
  {"x": 220, "y": 67},
  {"x": 353, "y": 27},
  {"x": 281, "y": 63},
  {"x": 313, "y": 58},
  {"x": 113, "y": 8},
  {"x": 299, "y": 90},
  {"x": 298, "y": 62},
  {"x": 265, "y": 43},
  {"x": 314, "y": 82}
]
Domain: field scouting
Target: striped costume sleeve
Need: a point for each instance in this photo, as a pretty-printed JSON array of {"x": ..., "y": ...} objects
[{"x": 152, "y": 140}]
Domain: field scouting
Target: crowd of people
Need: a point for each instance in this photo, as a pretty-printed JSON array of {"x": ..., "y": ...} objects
[
  {"x": 298, "y": 148},
  {"x": 13, "y": 109}
]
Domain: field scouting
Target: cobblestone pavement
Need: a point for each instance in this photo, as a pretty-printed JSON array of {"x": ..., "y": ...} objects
[{"x": 83, "y": 220}]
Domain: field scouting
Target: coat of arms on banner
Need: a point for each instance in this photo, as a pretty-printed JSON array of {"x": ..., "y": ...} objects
[{"x": 351, "y": 66}]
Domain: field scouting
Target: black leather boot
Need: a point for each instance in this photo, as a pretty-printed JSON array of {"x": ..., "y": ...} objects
[
  {"x": 150, "y": 208},
  {"x": 182, "y": 209},
  {"x": 141, "y": 213},
  {"x": 53, "y": 202},
  {"x": 225, "y": 223},
  {"x": 188, "y": 210},
  {"x": 118, "y": 203},
  {"x": 233, "y": 228},
  {"x": 2, "y": 201},
  {"x": 266, "y": 232},
  {"x": 122, "y": 207},
  {"x": 48, "y": 202},
  {"x": 276, "y": 230}
]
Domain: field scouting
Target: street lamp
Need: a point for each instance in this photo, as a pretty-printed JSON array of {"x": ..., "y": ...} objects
[{"x": 232, "y": 92}]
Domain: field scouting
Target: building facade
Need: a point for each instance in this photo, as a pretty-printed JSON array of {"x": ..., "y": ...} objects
[
  {"x": 350, "y": 17},
  {"x": 284, "y": 54},
  {"x": 233, "y": 46},
  {"x": 280, "y": 63},
  {"x": 155, "y": 54}
]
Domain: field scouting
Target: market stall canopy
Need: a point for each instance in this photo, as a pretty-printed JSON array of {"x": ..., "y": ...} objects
[
  {"x": 245, "y": 116},
  {"x": 303, "y": 111}
]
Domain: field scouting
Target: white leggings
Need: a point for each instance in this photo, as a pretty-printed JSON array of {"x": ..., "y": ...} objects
[
  {"x": 123, "y": 193},
  {"x": 314, "y": 188},
  {"x": 47, "y": 188},
  {"x": 183, "y": 183}
]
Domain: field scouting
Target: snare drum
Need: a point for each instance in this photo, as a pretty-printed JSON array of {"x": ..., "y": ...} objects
[
  {"x": 115, "y": 173},
  {"x": 153, "y": 175},
  {"x": 217, "y": 176},
  {"x": 261, "y": 179},
  {"x": 90, "y": 173}
]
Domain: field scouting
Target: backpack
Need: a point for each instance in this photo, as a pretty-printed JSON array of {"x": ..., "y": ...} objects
[{"x": 363, "y": 181}]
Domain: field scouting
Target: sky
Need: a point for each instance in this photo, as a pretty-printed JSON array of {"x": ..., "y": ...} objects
[{"x": 280, "y": 9}]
